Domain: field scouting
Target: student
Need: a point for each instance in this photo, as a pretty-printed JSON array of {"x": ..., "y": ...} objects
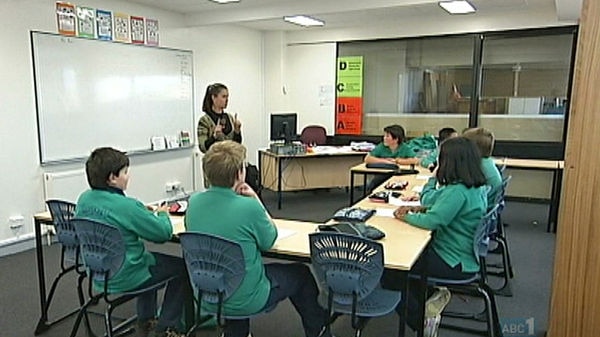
[
  {"x": 430, "y": 161},
  {"x": 454, "y": 202},
  {"x": 232, "y": 210},
  {"x": 107, "y": 173},
  {"x": 216, "y": 124},
  {"x": 484, "y": 139},
  {"x": 392, "y": 150}
]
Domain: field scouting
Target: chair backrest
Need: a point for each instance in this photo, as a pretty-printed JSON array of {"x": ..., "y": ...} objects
[
  {"x": 502, "y": 196},
  {"x": 102, "y": 248},
  {"x": 215, "y": 265},
  {"x": 350, "y": 266},
  {"x": 313, "y": 134},
  {"x": 62, "y": 212},
  {"x": 481, "y": 241}
]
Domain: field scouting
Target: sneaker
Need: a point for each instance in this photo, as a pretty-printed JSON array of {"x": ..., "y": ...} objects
[
  {"x": 144, "y": 328},
  {"x": 433, "y": 310}
]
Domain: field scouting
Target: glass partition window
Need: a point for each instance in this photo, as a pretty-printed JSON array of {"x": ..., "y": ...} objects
[
  {"x": 524, "y": 86},
  {"x": 423, "y": 84}
]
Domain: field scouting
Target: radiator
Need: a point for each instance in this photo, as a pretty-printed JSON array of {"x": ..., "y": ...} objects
[{"x": 65, "y": 185}]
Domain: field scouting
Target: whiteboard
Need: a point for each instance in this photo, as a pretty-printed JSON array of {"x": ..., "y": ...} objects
[{"x": 91, "y": 93}]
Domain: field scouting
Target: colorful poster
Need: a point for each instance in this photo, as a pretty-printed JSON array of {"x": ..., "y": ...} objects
[
  {"x": 104, "y": 24},
  {"x": 121, "y": 27},
  {"x": 85, "y": 22},
  {"x": 349, "y": 96},
  {"x": 65, "y": 18},
  {"x": 152, "y": 32},
  {"x": 137, "y": 30}
]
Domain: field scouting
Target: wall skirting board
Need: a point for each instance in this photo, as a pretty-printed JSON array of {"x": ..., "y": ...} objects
[{"x": 22, "y": 243}]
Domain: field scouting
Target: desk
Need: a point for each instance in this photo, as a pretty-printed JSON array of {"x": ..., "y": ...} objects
[
  {"x": 322, "y": 169},
  {"x": 362, "y": 169},
  {"x": 556, "y": 166}
]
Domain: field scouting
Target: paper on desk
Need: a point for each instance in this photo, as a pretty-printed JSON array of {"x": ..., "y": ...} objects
[
  {"x": 386, "y": 212},
  {"x": 423, "y": 177},
  {"x": 283, "y": 233},
  {"x": 400, "y": 202},
  {"x": 417, "y": 189}
]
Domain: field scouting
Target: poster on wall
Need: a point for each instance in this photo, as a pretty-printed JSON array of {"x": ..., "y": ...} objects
[
  {"x": 65, "y": 18},
  {"x": 121, "y": 27},
  {"x": 137, "y": 30},
  {"x": 349, "y": 95},
  {"x": 85, "y": 22},
  {"x": 152, "y": 32},
  {"x": 104, "y": 24}
]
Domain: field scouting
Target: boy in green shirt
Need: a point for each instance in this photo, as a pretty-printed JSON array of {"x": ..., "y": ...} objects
[
  {"x": 107, "y": 173},
  {"x": 484, "y": 139},
  {"x": 232, "y": 210},
  {"x": 392, "y": 150},
  {"x": 430, "y": 161}
]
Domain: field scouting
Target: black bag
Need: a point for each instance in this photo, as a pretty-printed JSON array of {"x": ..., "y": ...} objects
[
  {"x": 253, "y": 178},
  {"x": 359, "y": 229}
]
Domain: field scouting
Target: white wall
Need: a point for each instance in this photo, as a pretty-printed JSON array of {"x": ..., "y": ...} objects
[{"x": 229, "y": 55}]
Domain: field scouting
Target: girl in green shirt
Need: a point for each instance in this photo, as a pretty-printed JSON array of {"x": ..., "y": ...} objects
[{"x": 454, "y": 202}]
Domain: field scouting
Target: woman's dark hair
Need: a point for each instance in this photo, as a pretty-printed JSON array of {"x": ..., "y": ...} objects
[
  {"x": 212, "y": 90},
  {"x": 396, "y": 131},
  {"x": 101, "y": 163},
  {"x": 460, "y": 162}
]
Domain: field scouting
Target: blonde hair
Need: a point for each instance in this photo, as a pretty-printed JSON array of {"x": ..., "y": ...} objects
[
  {"x": 222, "y": 163},
  {"x": 483, "y": 138}
]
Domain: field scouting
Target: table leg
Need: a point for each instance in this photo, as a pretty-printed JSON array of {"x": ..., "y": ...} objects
[
  {"x": 351, "y": 188},
  {"x": 364, "y": 185},
  {"x": 279, "y": 183},
  {"x": 42, "y": 324},
  {"x": 260, "y": 173},
  {"x": 555, "y": 201}
]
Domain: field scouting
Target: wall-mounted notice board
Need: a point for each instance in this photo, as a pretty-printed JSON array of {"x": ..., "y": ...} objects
[{"x": 92, "y": 93}]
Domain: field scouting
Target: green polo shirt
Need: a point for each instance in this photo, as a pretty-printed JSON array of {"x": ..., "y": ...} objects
[
  {"x": 382, "y": 151},
  {"x": 222, "y": 212},
  {"x": 493, "y": 180},
  {"x": 453, "y": 212}
]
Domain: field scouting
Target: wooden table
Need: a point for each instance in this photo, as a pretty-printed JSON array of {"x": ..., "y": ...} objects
[
  {"x": 556, "y": 166},
  {"x": 328, "y": 167},
  {"x": 365, "y": 171}
]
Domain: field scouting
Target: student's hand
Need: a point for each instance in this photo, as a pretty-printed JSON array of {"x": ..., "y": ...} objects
[
  {"x": 163, "y": 207},
  {"x": 401, "y": 212},
  {"x": 245, "y": 190},
  {"x": 237, "y": 125},
  {"x": 414, "y": 197}
]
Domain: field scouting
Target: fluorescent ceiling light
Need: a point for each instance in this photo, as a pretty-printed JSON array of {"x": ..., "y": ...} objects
[
  {"x": 224, "y": 1},
  {"x": 457, "y": 6},
  {"x": 304, "y": 20}
]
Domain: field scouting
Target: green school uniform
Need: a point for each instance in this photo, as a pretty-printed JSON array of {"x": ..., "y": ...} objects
[
  {"x": 454, "y": 212},
  {"x": 222, "y": 212},
  {"x": 136, "y": 223},
  {"x": 493, "y": 180},
  {"x": 382, "y": 151}
]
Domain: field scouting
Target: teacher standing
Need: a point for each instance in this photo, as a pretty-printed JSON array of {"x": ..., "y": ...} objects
[{"x": 217, "y": 125}]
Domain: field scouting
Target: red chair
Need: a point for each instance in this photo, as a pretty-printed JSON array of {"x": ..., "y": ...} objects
[{"x": 314, "y": 134}]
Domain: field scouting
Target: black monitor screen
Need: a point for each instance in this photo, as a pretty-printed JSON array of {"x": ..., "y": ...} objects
[{"x": 284, "y": 127}]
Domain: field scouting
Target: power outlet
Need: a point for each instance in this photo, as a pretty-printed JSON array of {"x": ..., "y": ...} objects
[
  {"x": 172, "y": 186},
  {"x": 16, "y": 221}
]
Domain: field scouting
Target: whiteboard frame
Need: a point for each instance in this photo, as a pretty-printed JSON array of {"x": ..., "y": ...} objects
[{"x": 130, "y": 151}]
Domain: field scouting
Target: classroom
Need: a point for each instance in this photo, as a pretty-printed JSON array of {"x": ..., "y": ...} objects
[{"x": 275, "y": 70}]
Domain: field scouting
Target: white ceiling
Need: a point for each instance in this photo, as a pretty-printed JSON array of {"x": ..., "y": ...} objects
[{"x": 268, "y": 14}]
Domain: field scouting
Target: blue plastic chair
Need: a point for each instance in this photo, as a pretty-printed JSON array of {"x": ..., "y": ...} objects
[
  {"x": 498, "y": 235},
  {"x": 475, "y": 285},
  {"x": 103, "y": 253},
  {"x": 216, "y": 268},
  {"x": 351, "y": 267},
  {"x": 62, "y": 212}
]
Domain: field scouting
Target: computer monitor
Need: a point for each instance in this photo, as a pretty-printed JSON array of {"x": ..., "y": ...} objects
[{"x": 284, "y": 127}]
